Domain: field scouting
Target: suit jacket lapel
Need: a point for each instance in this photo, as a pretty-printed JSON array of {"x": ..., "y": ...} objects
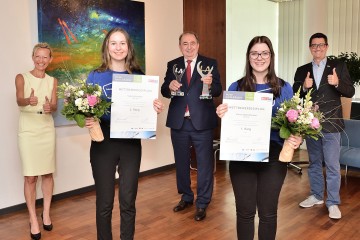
[{"x": 195, "y": 73}]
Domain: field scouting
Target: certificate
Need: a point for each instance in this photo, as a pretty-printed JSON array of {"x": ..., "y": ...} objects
[
  {"x": 246, "y": 126},
  {"x": 132, "y": 112}
]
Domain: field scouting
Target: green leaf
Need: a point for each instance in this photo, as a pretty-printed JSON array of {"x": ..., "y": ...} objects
[
  {"x": 352, "y": 61},
  {"x": 284, "y": 132},
  {"x": 80, "y": 120}
]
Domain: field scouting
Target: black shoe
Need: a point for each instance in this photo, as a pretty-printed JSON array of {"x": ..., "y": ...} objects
[
  {"x": 182, "y": 205},
  {"x": 46, "y": 227},
  {"x": 200, "y": 214},
  {"x": 36, "y": 236}
]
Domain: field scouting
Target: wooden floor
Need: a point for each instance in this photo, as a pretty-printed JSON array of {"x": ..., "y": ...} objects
[{"x": 74, "y": 218}]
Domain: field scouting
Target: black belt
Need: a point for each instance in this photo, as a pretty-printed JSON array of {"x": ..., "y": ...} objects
[
  {"x": 37, "y": 112},
  {"x": 187, "y": 117}
]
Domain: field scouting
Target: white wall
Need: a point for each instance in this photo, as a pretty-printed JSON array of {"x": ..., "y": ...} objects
[
  {"x": 299, "y": 19},
  {"x": 246, "y": 19},
  {"x": 18, "y": 24}
]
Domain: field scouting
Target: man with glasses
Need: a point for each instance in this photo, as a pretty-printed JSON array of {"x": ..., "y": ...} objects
[{"x": 328, "y": 80}]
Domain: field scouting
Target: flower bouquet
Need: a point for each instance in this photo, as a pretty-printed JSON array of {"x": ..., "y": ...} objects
[
  {"x": 81, "y": 101},
  {"x": 298, "y": 117}
]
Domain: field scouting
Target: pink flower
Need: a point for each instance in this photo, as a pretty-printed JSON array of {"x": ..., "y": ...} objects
[
  {"x": 292, "y": 115},
  {"x": 92, "y": 99},
  {"x": 315, "y": 123}
]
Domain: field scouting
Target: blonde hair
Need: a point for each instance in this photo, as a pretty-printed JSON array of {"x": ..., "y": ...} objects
[{"x": 42, "y": 45}]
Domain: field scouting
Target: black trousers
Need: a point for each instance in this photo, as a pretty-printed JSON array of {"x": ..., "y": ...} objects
[
  {"x": 123, "y": 155},
  {"x": 258, "y": 186}
]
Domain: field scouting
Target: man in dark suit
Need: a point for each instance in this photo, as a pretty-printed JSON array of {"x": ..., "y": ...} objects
[
  {"x": 329, "y": 80},
  {"x": 192, "y": 121}
]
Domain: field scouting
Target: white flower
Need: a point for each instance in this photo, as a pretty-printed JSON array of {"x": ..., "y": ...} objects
[
  {"x": 310, "y": 116},
  {"x": 296, "y": 99},
  {"x": 85, "y": 102},
  {"x": 98, "y": 93},
  {"x": 308, "y": 104},
  {"x": 306, "y": 118},
  {"x": 78, "y": 102},
  {"x": 80, "y": 93}
]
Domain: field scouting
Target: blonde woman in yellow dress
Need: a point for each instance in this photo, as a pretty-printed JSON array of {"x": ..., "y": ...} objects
[{"x": 36, "y": 98}]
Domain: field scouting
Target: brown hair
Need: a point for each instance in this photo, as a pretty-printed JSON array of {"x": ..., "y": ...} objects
[
  {"x": 131, "y": 63},
  {"x": 248, "y": 83}
]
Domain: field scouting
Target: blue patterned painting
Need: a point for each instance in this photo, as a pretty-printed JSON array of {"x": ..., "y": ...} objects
[{"x": 75, "y": 30}]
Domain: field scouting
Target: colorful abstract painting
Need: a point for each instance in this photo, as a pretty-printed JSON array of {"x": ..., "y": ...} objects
[{"x": 75, "y": 29}]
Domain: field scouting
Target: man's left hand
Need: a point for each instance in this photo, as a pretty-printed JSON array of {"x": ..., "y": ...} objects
[
  {"x": 333, "y": 79},
  {"x": 207, "y": 79}
]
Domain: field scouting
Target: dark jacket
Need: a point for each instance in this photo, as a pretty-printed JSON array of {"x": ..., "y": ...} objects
[
  {"x": 202, "y": 112},
  {"x": 327, "y": 96}
]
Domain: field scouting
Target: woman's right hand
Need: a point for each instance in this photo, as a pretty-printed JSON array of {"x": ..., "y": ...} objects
[
  {"x": 221, "y": 110},
  {"x": 89, "y": 122},
  {"x": 295, "y": 141},
  {"x": 33, "y": 100}
]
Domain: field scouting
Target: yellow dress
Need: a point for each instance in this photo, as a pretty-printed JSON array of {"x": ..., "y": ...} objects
[{"x": 36, "y": 134}]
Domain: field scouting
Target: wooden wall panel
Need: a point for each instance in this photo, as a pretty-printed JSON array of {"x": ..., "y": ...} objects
[{"x": 207, "y": 19}]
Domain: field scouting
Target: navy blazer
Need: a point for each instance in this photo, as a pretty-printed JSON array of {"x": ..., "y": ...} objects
[
  {"x": 202, "y": 111},
  {"x": 327, "y": 96}
]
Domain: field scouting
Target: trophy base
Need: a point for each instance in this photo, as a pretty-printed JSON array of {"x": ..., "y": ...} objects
[
  {"x": 177, "y": 94},
  {"x": 205, "y": 97}
]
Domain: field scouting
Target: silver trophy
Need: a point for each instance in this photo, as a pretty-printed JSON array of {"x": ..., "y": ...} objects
[
  {"x": 178, "y": 74},
  {"x": 205, "y": 94}
]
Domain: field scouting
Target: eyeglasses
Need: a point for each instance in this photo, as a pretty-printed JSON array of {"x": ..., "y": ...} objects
[
  {"x": 320, "y": 45},
  {"x": 255, "y": 55}
]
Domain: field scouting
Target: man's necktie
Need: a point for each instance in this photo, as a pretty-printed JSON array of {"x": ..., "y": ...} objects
[
  {"x": 188, "y": 78},
  {"x": 188, "y": 71}
]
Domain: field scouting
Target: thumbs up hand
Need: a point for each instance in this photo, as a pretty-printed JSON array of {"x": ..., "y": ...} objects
[
  {"x": 308, "y": 83},
  {"x": 33, "y": 100},
  {"x": 46, "y": 105},
  {"x": 333, "y": 79}
]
